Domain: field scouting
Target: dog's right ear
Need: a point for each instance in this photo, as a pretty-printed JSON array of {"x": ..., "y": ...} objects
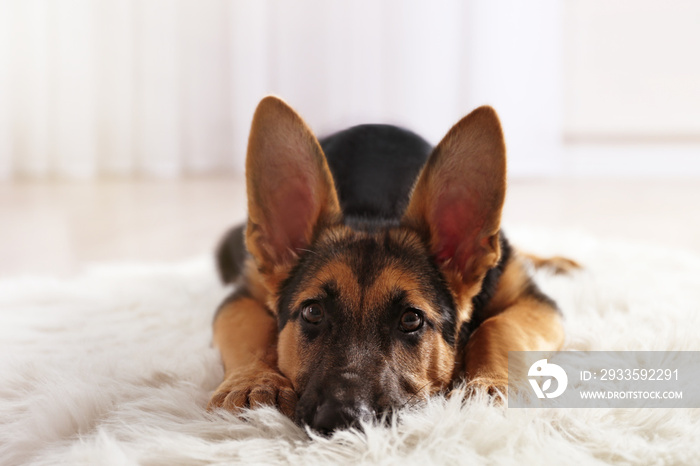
[
  {"x": 457, "y": 201},
  {"x": 290, "y": 188}
]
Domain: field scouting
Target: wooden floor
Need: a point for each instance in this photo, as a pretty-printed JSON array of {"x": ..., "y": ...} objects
[{"x": 58, "y": 227}]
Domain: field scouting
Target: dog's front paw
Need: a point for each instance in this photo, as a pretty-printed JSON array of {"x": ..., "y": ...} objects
[
  {"x": 255, "y": 387},
  {"x": 494, "y": 386}
]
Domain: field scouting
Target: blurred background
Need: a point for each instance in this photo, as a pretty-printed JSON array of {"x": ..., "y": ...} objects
[{"x": 123, "y": 123}]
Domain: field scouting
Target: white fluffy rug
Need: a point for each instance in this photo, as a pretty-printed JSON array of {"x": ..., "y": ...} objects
[{"x": 115, "y": 367}]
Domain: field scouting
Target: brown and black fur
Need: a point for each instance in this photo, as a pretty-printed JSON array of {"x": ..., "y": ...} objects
[{"x": 367, "y": 227}]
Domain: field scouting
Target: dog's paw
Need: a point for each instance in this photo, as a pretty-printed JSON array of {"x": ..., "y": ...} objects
[
  {"x": 253, "y": 388},
  {"x": 495, "y": 387}
]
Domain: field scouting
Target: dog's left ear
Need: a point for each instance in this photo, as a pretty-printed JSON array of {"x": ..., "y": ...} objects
[
  {"x": 290, "y": 188},
  {"x": 457, "y": 201}
]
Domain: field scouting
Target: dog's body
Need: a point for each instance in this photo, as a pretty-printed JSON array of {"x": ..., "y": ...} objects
[{"x": 376, "y": 273}]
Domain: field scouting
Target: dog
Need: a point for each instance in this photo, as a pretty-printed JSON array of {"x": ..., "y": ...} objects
[{"x": 372, "y": 271}]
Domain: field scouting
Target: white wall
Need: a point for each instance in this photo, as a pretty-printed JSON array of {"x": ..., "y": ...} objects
[
  {"x": 167, "y": 87},
  {"x": 632, "y": 70},
  {"x": 632, "y": 88}
]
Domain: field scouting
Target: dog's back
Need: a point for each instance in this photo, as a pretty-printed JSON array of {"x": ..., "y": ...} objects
[{"x": 374, "y": 168}]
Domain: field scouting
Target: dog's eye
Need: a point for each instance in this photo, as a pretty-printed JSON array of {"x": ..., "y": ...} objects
[
  {"x": 411, "y": 320},
  {"x": 312, "y": 313}
]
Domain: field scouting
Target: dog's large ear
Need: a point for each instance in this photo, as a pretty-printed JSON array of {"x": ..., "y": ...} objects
[
  {"x": 290, "y": 187},
  {"x": 457, "y": 201}
]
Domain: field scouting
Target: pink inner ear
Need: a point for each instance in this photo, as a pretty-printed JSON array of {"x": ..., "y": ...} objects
[
  {"x": 455, "y": 228},
  {"x": 292, "y": 215}
]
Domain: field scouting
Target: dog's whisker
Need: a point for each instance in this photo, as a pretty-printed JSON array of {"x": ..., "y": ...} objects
[{"x": 412, "y": 397}]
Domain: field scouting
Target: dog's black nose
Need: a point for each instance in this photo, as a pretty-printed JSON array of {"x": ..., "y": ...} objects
[{"x": 331, "y": 416}]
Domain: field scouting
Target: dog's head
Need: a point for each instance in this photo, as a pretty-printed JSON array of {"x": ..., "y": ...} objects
[{"x": 368, "y": 317}]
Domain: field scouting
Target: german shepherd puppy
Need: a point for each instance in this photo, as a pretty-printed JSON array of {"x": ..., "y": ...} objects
[{"x": 372, "y": 271}]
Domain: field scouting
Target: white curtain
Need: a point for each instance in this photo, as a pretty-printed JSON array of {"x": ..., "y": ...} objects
[{"x": 167, "y": 87}]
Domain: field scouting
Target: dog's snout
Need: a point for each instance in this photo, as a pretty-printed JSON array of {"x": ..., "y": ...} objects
[{"x": 332, "y": 416}]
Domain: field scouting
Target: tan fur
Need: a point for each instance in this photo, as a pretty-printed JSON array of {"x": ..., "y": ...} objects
[
  {"x": 257, "y": 285},
  {"x": 392, "y": 278},
  {"x": 246, "y": 335},
  {"x": 557, "y": 264},
  {"x": 430, "y": 368},
  {"x": 516, "y": 321},
  {"x": 511, "y": 286},
  {"x": 247, "y": 332},
  {"x": 527, "y": 325},
  {"x": 289, "y": 348},
  {"x": 339, "y": 272},
  {"x": 441, "y": 361}
]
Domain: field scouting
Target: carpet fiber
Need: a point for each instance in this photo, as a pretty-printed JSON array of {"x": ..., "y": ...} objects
[{"x": 116, "y": 367}]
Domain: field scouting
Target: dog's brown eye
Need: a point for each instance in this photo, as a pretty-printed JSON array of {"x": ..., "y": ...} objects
[
  {"x": 411, "y": 320},
  {"x": 312, "y": 313}
]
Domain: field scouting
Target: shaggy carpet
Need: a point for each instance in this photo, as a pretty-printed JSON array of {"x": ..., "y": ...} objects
[{"x": 116, "y": 366}]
